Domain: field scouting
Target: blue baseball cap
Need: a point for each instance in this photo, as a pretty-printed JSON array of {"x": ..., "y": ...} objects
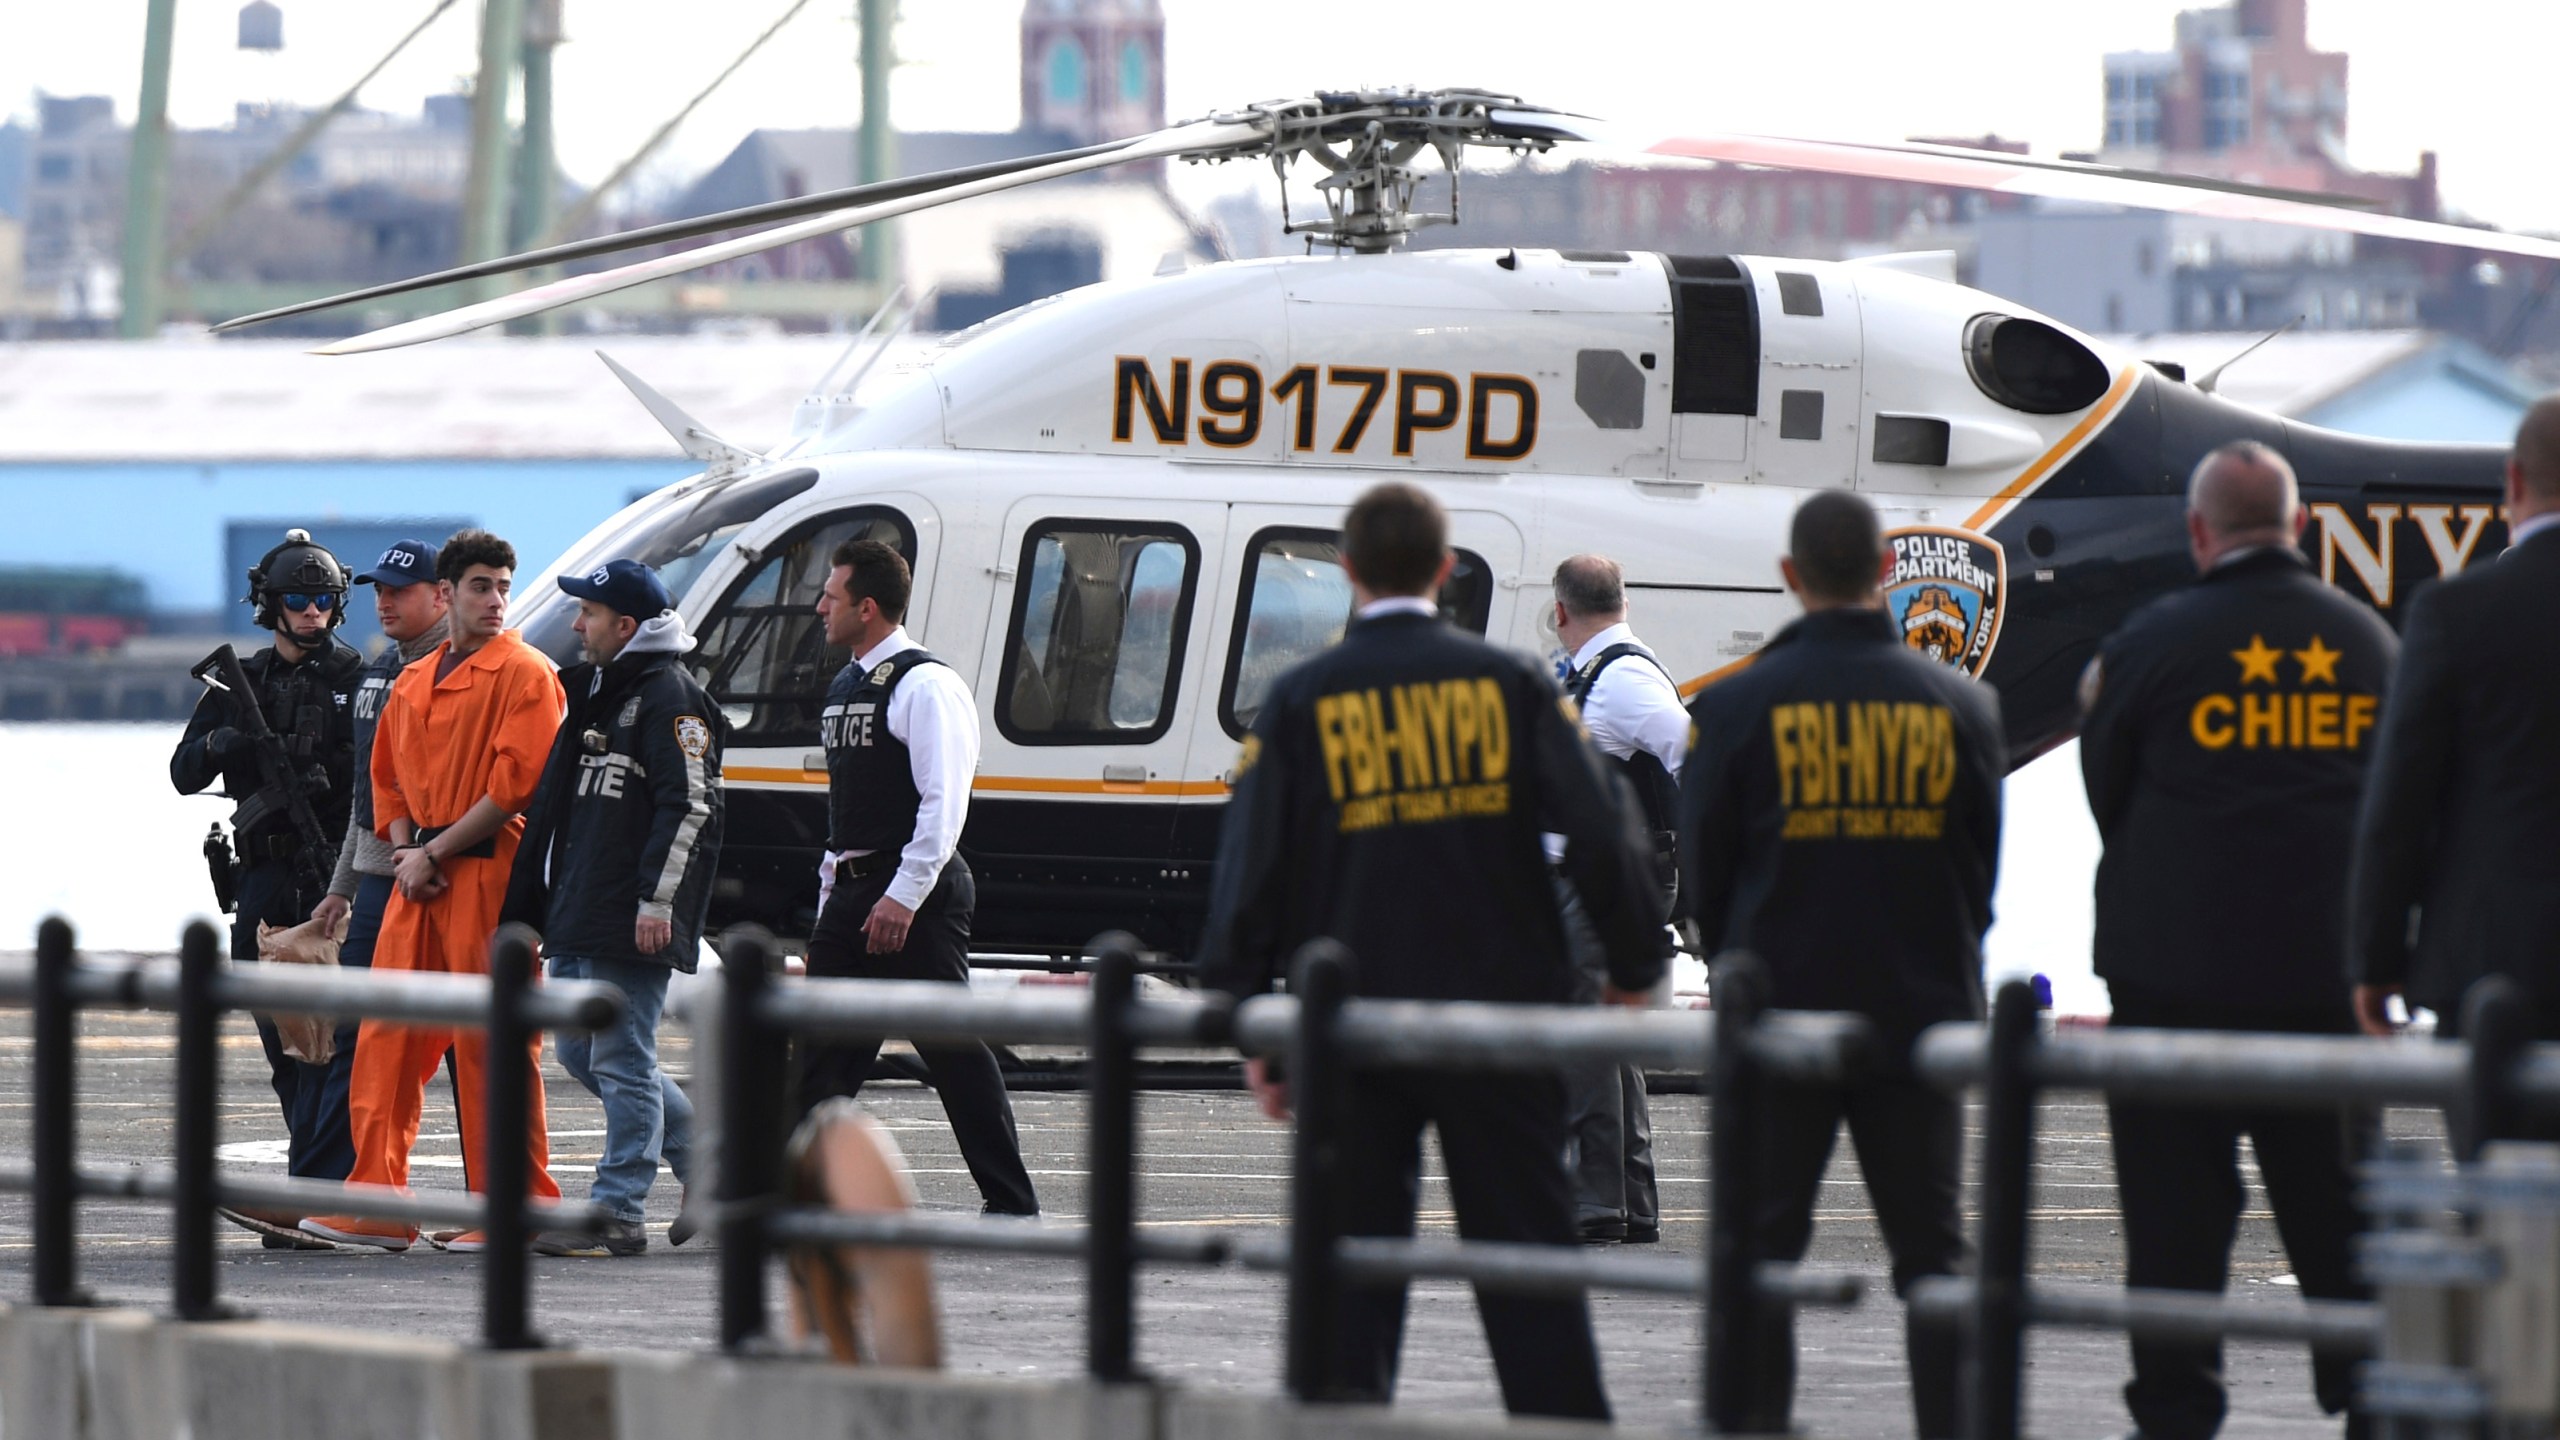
[
  {"x": 407, "y": 562},
  {"x": 623, "y": 585}
]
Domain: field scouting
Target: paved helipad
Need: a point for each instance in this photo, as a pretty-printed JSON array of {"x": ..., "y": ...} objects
[{"x": 1210, "y": 1160}]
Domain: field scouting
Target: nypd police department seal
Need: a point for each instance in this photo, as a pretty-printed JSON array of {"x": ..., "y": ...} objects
[
  {"x": 692, "y": 736},
  {"x": 1946, "y": 592}
]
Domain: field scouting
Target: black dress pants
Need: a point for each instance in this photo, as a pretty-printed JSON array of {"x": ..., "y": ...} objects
[
  {"x": 1910, "y": 1142},
  {"x": 312, "y": 1097},
  {"x": 2178, "y": 1173},
  {"x": 1503, "y": 1138},
  {"x": 964, "y": 1073}
]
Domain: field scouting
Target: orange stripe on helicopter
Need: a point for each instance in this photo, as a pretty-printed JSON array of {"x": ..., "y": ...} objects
[
  {"x": 1004, "y": 784},
  {"x": 1998, "y": 505}
]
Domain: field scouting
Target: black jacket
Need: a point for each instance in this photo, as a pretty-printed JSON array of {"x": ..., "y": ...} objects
[
  {"x": 2459, "y": 835},
  {"x": 1392, "y": 795},
  {"x": 629, "y": 815},
  {"x": 308, "y": 704},
  {"x": 1840, "y": 818},
  {"x": 2228, "y": 724}
]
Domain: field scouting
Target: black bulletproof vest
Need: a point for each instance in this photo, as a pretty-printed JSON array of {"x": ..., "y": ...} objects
[
  {"x": 1656, "y": 791},
  {"x": 872, "y": 798}
]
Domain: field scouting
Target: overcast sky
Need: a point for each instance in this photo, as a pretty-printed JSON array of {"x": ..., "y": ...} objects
[{"x": 2463, "y": 77}]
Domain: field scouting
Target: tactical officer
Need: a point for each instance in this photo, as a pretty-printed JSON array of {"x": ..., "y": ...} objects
[
  {"x": 1392, "y": 796},
  {"x": 1634, "y": 713},
  {"x": 615, "y": 872},
  {"x": 2223, "y": 740},
  {"x": 2456, "y": 876},
  {"x": 894, "y": 897},
  {"x": 1840, "y": 818},
  {"x": 302, "y": 685}
]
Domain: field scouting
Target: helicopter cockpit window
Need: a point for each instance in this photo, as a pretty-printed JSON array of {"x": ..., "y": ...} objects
[
  {"x": 1100, "y": 616},
  {"x": 763, "y": 654},
  {"x": 678, "y": 541},
  {"x": 1296, "y": 602}
]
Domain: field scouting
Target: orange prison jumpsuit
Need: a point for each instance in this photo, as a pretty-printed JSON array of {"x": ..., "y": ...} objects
[{"x": 485, "y": 729}]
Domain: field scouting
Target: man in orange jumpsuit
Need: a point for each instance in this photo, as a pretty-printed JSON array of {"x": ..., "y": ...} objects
[{"x": 458, "y": 754}]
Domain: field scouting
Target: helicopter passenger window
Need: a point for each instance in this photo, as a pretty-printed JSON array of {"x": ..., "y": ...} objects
[
  {"x": 1099, "y": 622},
  {"x": 763, "y": 654},
  {"x": 1296, "y": 601}
]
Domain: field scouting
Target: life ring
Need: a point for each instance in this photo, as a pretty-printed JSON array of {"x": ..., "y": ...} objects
[{"x": 872, "y": 1305}]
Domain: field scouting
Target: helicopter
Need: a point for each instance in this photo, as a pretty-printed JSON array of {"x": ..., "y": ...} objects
[{"x": 1122, "y": 503}]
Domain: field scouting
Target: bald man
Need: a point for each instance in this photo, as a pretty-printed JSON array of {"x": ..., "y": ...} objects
[
  {"x": 2224, "y": 740},
  {"x": 2456, "y": 873}
]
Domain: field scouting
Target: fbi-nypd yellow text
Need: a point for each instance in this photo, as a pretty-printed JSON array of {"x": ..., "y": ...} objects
[
  {"x": 1416, "y": 754},
  {"x": 1864, "y": 769}
]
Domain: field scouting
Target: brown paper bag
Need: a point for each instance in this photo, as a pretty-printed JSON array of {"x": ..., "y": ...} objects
[{"x": 311, "y": 1039}]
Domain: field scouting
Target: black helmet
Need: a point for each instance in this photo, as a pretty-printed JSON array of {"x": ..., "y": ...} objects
[{"x": 298, "y": 566}]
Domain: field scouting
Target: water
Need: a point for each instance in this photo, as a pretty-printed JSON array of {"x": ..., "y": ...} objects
[{"x": 98, "y": 835}]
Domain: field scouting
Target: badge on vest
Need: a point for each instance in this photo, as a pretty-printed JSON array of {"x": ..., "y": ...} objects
[
  {"x": 630, "y": 714},
  {"x": 1946, "y": 592},
  {"x": 880, "y": 673},
  {"x": 693, "y": 737}
]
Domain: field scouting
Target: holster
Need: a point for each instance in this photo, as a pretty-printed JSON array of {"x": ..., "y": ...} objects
[{"x": 225, "y": 870}]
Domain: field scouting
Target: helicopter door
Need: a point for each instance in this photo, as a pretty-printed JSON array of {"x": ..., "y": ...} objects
[
  {"x": 1806, "y": 432},
  {"x": 1093, "y": 667}
]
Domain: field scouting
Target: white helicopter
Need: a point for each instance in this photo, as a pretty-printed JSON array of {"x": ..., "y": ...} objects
[{"x": 1121, "y": 502}]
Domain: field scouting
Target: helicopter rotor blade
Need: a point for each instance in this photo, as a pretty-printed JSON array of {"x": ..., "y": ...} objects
[
  {"x": 2063, "y": 180},
  {"x": 1206, "y": 136},
  {"x": 794, "y": 208}
]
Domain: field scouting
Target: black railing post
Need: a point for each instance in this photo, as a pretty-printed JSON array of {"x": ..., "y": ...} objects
[
  {"x": 2496, "y": 1027},
  {"x": 1734, "y": 1121},
  {"x": 1111, "y": 1165},
  {"x": 1997, "y": 1334},
  {"x": 57, "y": 1034},
  {"x": 200, "y": 962},
  {"x": 1321, "y": 980},
  {"x": 750, "y": 1155},
  {"x": 505, "y": 1278}
]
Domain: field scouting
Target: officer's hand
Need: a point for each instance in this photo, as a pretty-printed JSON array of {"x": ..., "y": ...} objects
[
  {"x": 886, "y": 929},
  {"x": 331, "y": 912},
  {"x": 1631, "y": 999},
  {"x": 2373, "y": 1009},
  {"x": 1273, "y": 1094},
  {"x": 223, "y": 742},
  {"x": 651, "y": 936}
]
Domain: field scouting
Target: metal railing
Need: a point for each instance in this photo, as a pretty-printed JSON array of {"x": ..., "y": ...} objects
[
  {"x": 198, "y": 987},
  {"x": 2487, "y": 1085},
  {"x": 1325, "y": 1035}
]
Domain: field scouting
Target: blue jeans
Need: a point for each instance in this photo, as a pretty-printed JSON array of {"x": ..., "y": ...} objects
[{"x": 646, "y": 1118}]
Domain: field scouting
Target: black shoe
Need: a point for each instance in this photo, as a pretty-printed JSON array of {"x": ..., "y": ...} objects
[
  {"x": 992, "y": 1208},
  {"x": 1640, "y": 1233},
  {"x": 685, "y": 1226},
  {"x": 619, "y": 1239},
  {"x": 1603, "y": 1232}
]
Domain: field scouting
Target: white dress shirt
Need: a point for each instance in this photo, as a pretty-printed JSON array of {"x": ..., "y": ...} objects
[
  {"x": 2524, "y": 530},
  {"x": 934, "y": 716},
  {"x": 1397, "y": 605},
  {"x": 1633, "y": 706}
]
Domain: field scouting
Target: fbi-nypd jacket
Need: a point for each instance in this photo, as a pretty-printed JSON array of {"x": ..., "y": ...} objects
[
  {"x": 1392, "y": 795},
  {"x": 306, "y": 702},
  {"x": 628, "y": 818},
  {"x": 1840, "y": 818},
  {"x": 2223, "y": 742}
]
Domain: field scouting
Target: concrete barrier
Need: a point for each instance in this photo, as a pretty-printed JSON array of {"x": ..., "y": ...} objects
[{"x": 128, "y": 1375}]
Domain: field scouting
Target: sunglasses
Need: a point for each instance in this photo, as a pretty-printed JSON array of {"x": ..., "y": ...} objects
[{"x": 324, "y": 602}]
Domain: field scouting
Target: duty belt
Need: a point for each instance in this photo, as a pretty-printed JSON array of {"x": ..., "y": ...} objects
[
  {"x": 862, "y": 867},
  {"x": 487, "y": 849},
  {"x": 280, "y": 846}
]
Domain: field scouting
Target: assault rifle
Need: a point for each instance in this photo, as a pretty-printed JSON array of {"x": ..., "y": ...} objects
[{"x": 281, "y": 786}]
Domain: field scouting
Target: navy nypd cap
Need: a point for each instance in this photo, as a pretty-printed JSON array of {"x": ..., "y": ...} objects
[
  {"x": 623, "y": 585},
  {"x": 407, "y": 562}
]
